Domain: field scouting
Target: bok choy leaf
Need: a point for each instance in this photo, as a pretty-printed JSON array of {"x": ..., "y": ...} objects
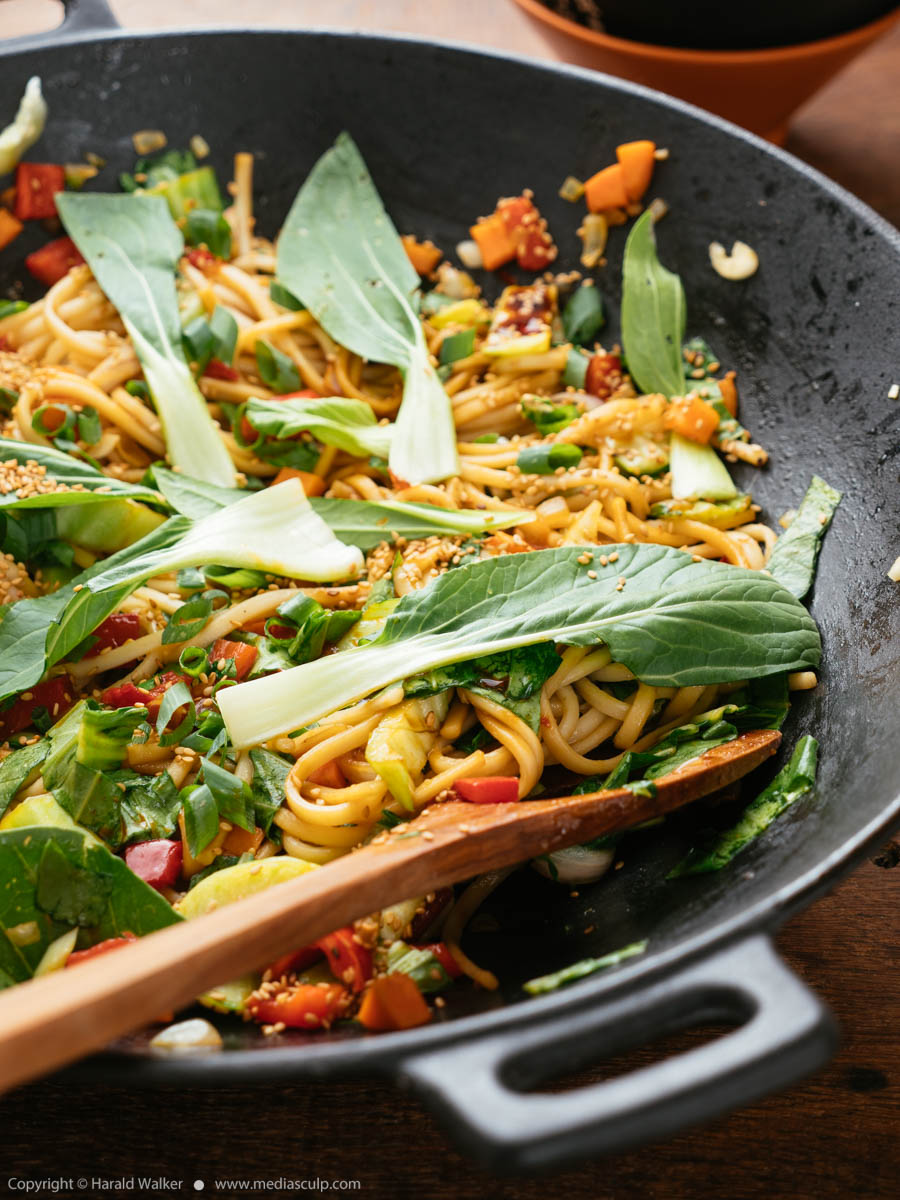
[
  {"x": 654, "y": 313},
  {"x": 670, "y": 620},
  {"x": 367, "y": 523},
  {"x": 341, "y": 255},
  {"x": 348, "y": 424},
  {"x": 793, "y": 558},
  {"x": 78, "y": 482},
  {"x": 132, "y": 245},
  {"x": 274, "y": 530}
]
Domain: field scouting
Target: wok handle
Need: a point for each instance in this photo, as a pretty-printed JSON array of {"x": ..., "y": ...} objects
[
  {"x": 478, "y": 1086},
  {"x": 81, "y": 16}
]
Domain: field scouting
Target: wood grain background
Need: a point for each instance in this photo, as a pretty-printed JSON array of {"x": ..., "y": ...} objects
[{"x": 832, "y": 1137}]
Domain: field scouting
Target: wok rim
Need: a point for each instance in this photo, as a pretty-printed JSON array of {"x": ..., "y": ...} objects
[{"x": 385, "y": 1053}]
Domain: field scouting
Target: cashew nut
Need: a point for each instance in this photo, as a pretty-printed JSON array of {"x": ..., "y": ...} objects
[{"x": 741, "y": 263}]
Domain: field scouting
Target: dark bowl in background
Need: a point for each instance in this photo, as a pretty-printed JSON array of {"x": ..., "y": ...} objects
[{"x": 712, "y": 25}]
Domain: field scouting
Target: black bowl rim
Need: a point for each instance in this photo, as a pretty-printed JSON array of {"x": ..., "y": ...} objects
[{"x": 385, "y": 1053}]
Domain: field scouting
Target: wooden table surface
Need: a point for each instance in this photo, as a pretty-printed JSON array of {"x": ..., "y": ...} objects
[{"x": 833, "y": 1136}]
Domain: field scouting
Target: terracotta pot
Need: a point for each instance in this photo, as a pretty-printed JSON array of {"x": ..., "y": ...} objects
[{"x": 759, "y": 89}]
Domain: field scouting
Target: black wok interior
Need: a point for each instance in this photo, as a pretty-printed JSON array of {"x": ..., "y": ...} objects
[{"x": 812, "y": 335}]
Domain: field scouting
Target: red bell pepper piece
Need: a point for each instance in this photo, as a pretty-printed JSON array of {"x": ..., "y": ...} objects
[
  {"x": 36, "y": 188},
  {"x": 113, "y": 943},
  {"x": 304, "y": 1006},
  {"x": 49, "y": 264},
  {"x": 444, "y": 957},
  {"x": 216, "y": 369},
  {"x": 328, "y": 775},
  {"x": 349, "y": 960},
  {"x": 604, "y": 375},
  {"x": 201, "y": 258},
  {"x": 117, "y": 629},
  {"x": 55, "y": 695},
  {"x": 124, "y": 695},
  {"x": 492, "y": 789},
  {"x": 244, "y": 656},
  {"x": 157, "y": 862},
  {"x": 298, "y": 960}
]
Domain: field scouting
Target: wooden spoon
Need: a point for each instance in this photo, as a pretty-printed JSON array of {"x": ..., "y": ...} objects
[{"x": 48, "y": 1022}]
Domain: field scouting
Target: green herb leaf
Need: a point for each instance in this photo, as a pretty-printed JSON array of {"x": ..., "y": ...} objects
[
  {"x": 19, "y": 769},
  {"x": 201, "y": 819},
  {"x": 276, "y": 370},
  {"x": 672, "y": 622},
  {"x": 149, "y": 807},
  {"x": 654, "y": 313},
  {"x": 339, "y": 252},
  {"x": 132, "y": 245},
  {"x": 583, "y": 316},
  {"x": 270, "y": 771},
  {"x": 793, "y": 558},
  {"x": 207, "y": 227}
]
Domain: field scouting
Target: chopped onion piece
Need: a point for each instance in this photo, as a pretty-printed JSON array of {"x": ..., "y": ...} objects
[
  {"x": 456, "y": 284},
  {"x": 575, "y": 864},
  {"x": 188, "y": 1037},
  {"x": 469, "y": 255}
]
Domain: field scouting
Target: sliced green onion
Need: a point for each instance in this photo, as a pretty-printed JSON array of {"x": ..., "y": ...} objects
[
  {"x": 575, "y": 372},
  {"x": 177, "y": 696},
  {"x": 186, "y": 622},
  {"x": 456, "y": 346},
  {"x": 545, "y": 460},
  {"x": 194, "y": 661}
]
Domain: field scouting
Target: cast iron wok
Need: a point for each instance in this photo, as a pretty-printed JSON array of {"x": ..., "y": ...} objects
[{"x": 812, "y": 334}]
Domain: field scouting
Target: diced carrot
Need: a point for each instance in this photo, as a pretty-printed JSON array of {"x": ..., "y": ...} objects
[
  {"x": 313, "y": 485},
  {"x": 606, "y": 189},
  {"x": 637, "y": 162},
  {"x": 328, "y": 775},
  {"x": 243, "y": 654},
  {"x": 496, "y": 243},
  {"x": 393, "y": 1002},
  {"x": 692, "y": 417},
  {"x": 242, "y": 841},
  {"x": 424, "y": 256},
  {"x": 728, "y": 388},
  {"x": 10, "y": 227}
]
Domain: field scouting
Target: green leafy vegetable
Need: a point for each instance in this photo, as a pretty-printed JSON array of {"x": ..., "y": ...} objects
[
  {"x": 583, "y": 315},
  {"x": 205, "y": 340},
  {"x": 513, "y": 678},
  {"x": 86, "y": 484},
  {"x": 366, "y": 524},
  {"x": 273, "y": 530},
  {"x": 201, "y": 819},
  {"x": 132, "y": 245},
  {"x": 339, "y": 252},
  {"x": 348, "y": 424},
  {"x": 793, "y": 781},
  {"x": 672, "y": 622},
  {"x": 698, "y": 472},
  {"x": 279, "y": 294},
  {"x": 276, "y": 370},
  {"x": 270, "y": 771},
  {"x": 193, "y": 497},
  {"x": 578, "y": 970},
  {"x": 793, "y": 558},
  {"x": 207, "y": 227},
  {"x": 19, "y": 769},
  {"x": 149, "y": 807},
  {"x": 37, "y": 632},
  {"x": 311, "y": 625},
  {"x": 654, "y": 313},
  {"x": 104, "y": 734}
]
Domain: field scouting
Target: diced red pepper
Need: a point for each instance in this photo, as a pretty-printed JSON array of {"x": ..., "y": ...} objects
[
  {"x": 492, "y": 789},
  {"x": 604, "y": 375},
  {"x": 534, "y": 245},
  {"x": 305, "y": 1006},
  {"x": 36, "y": 188},
  {"x": 53, "y": 261},
  {"x": 298, "y": 960},
  {"x": 157, "y": 863},
  {"x": 216, "y": 369},
  {"x": 117, "y": 629},
  {"x": 113, "y": 943},
  {"x": 349, "y": 960},
  {"x": 444, "y": 957},
  {"x": 124, "y": 695},
  {"x": 55, "y": 695},
  {"x": 244, "y": 656},
  {"x": 516, "y": 211}
]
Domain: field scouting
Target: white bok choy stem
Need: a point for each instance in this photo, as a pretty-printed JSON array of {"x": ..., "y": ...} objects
[
  {"x": 133, "y": 246},
  {"x": 274, "y": 530}
]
